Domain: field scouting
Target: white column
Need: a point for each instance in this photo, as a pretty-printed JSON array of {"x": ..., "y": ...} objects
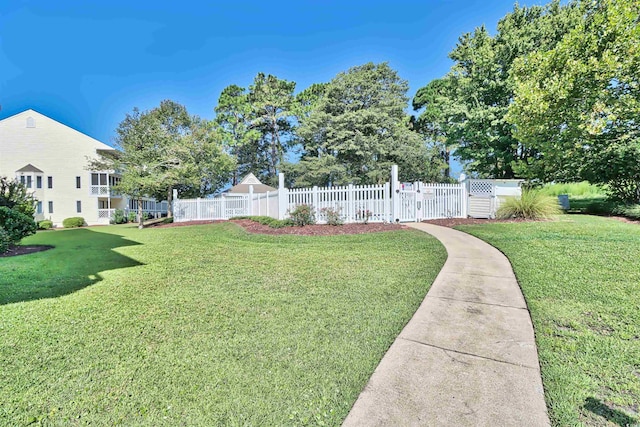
[
  {"x": 395, "y": 194},
  {"x": 283, "y": 197},
  {"x": 314, "y": 201},
  {"x": 250, "y": 201}
]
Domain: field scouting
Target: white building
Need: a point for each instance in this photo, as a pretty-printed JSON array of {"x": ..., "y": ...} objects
[{"x": 52, "y": 160}]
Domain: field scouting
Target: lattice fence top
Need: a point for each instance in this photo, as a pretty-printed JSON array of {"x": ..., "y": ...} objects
[{"x": 480, "y": 187}]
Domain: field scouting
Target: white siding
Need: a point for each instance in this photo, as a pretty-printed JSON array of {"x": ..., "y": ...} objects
[{"x": 59, "y": 151}]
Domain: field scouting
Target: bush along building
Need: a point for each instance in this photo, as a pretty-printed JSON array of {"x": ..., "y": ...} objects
[{"x": 52, "y": 160}]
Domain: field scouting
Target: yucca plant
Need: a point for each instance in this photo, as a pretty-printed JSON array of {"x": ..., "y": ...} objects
[{"x": 530, "y": 205}]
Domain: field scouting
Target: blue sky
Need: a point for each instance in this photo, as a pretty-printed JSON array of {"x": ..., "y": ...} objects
[{"x": 88, "y": 63}]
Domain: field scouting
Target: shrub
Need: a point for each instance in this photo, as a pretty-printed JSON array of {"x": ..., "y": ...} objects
[
  {"x": 5, "y": 241},
  {"x": 333, "y": 216},
  {"x": 303, "y": 215},
  {"x": 530, "y": 205},
  {"x": 45, "y": 224},
  {"x": 16, "y": 224},
  {"x": 16, "y": 196},
  {"x": 74, "y": 221},
  {"x": 132, "y": 217},
  {"x": 118, "y": 217},
  {"x": 167, "y": 220},
  {"x": 271, "y": 222},
  {"x": 363, "y": 215}
]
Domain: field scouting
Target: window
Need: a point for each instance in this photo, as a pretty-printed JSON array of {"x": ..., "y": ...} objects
[
  {"x": 39, "y": 208},
  {"x": 38, "y": 182},
  {"x": 77, "y": 182},
  {"x": 31, "y": 123},
  {"x": 79, "y": 206},
  {"x": 49, "y": 182},
  {"x": 26, "y": 180},
  {"x": 50, "y": 207}
]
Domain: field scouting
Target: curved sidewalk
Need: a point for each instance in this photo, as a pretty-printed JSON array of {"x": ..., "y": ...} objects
[{"x": 467, "y": 357}]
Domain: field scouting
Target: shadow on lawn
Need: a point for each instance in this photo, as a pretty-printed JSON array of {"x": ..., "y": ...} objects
[
  {"x": 610, "y": 414},
  {"x": 73, "y": 264}
]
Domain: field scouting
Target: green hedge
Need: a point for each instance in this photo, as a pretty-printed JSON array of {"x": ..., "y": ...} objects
[{"x": 74, "y": 221}]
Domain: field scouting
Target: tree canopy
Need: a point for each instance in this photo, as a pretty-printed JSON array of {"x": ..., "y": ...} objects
[
  {"x": 578, "y": 105},
  {"x": 258, "y": 124},
  {"x": 465, "y": 110},
  {"x": 355, "y": 128}
]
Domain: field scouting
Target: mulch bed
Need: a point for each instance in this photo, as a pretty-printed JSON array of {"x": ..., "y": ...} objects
[
  {"x": 25, "y": 250},
  {"x": 309, "y": 230}
]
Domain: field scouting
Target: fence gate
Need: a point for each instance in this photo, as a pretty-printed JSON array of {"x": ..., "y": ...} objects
[
  {"x": 408, "y": 208},
  {"x": 482, "y": 194}
]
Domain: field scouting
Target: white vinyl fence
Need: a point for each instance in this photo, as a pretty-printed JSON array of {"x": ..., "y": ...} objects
[
  {"x": 390, "y": 202},
  {"x": 354, "y": 203},
  {"x": 209, "y": 209}
]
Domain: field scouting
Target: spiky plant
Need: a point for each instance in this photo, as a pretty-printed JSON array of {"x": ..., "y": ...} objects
[{"x": 530, "y": 205}]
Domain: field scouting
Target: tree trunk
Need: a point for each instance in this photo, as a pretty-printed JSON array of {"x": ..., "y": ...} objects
[
  {"x": 170, "y": 203},
  {"x": 140, "y": 215}
]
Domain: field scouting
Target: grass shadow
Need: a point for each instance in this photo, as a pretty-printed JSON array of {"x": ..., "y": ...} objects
[
  {"x": 612, "y": 415},
  {"x": 73, "y": 264}
]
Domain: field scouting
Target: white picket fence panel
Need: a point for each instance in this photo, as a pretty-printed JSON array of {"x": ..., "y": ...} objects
[
  {"x": 210, "y": 209},
  {"x": 442, "y": 201},
  {"x": 354, "y": 203}
]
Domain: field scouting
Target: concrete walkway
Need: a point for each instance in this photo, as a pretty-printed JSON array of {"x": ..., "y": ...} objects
[{"x": 468, "y": 355}]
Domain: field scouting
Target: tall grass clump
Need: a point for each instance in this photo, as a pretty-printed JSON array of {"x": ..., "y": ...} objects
[
  {"x": 530, "y": 205},
  {"x": 573, "y": 189}
]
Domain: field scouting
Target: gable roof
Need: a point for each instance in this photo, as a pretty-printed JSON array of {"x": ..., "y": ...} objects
[
  {"x": 37, "y": 115},
  {"x": 250, "y": 180},
  {"x": 29, "y": 168}
]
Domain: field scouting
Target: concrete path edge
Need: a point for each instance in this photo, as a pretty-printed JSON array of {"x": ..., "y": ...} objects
[{"x": 467, "y": 357}]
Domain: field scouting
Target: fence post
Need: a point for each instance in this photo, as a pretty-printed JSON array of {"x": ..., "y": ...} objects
[
  {"x": 419, "y": 207},
  {"x": 395, "y": 195},
  {"x": 283, "y": 197},
  {"x": 250, "y": 201},
  {"x": 198, "y": 208},
  {"x": 314, "y": 200},
  {"x": 465, "y": 195},
  {"x": 387, "y": 202}
]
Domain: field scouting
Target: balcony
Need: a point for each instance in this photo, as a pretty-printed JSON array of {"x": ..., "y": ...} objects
[{"x": 103, "y": 191}]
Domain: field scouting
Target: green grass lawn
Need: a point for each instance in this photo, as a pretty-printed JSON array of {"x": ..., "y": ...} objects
[
  {"x": 581, "y": 279},
  {"x": 202, "y": 325}
]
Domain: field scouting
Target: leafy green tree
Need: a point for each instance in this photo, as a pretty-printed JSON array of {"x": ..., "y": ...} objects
[
  {"x": 165, "y": 149},
  {"x": 579, "y": 103},
  {"x": 465, "y": 110},
  {"x": 356, "y": 128}
]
